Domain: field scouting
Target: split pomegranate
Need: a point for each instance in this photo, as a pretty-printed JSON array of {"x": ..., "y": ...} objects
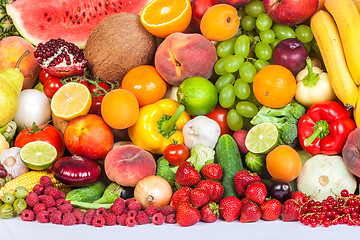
[{"x": 60, "y": 58}]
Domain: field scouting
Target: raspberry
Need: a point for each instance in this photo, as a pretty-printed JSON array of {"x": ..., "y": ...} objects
[
  {"x": 47, "y": 190},
  {"x": 167, "y": 210},
  {"x": 89, "y": 215},
  {"x": 171, "y": 218},
  {"x": 131, "y": 213},
  {"x": 79, "y": 215},
  {"x": 117, "y": 209},
  {"x": 43, "y": 217},
  {"x": 151, "y": 210},
  {"x": 121, "y": 219},
  {"x": 41, "y": 197},
  {"x": 110, "y": 219},
  {"x": 60, "y": 202},
  {"x": 66, "y": 208},
  {"x": 100, "y": 211},
  {"x": 54, "y": 192},
  {"x": 128, "y": 201},
  {"x": 49, "y": 201},
  {"x": 62, "y": 195},
  {"x": 98, "y": 221},
  {"x": 130, "y": 221},
  {"x": 32, "y": 199},
  {"x": 45, "y": 181},
  {"x": 51, "y": 209},
  {"x": 69, "y": 219},
  {"x": 158, "y": 219},
  {"x": 39, "y": 207},
  {"x": 56, "y": 217},
  {"x": 142, "y": 218},
  {"x": 39, "y": 189},
  {"x": 27, "y": 215},
  {"x": 120, "y": 201},
  {"x": 134, "y": 205}
]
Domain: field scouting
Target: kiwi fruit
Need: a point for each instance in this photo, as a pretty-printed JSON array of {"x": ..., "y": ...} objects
[{"x": 118, "y": 44}]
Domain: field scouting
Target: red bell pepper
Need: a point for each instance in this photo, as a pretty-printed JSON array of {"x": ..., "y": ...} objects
[{"x": 325, "y": 128}]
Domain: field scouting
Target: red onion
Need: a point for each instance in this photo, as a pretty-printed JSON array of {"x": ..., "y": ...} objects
[{"x": 76, "y": 171}]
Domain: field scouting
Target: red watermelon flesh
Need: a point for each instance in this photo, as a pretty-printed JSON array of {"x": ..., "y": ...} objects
[{"x": 72, "y": 20}]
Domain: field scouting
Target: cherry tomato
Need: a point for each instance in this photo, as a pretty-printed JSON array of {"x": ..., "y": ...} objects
[
  {"x": 93, "y": 89},
  {"x": 176, "y": 154},
  {"x": 51, "y": 86},
  {"x": 219, "y": 114},
  {"x": 96, "y": 105},
  {"x": 44, "y": 76},
  {"x": 46, "y": 133},
  {"x": 82, "y": 81}
]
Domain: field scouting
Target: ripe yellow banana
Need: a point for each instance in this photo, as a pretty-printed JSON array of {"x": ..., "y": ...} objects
[
  {"x": 347, "y": 19},
  {"x": 328, "y": 40},
  {"x": 356, "y": 111},
  {"x": 357, "y": 4}
]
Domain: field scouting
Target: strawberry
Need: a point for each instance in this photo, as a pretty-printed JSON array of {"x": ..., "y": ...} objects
[
  {"x": 298, "y": 197},
  {"x": 290, "y": 210},
  {"x": 186, "y": 175},
  {"x": 199, "y": 197},
  {"x": 243, "y": 179},
  {"x": 271, "y": 209},
  {"x": 250, "y": 211},
  {"x": 210, "y": 212},
  {"x": 212, "y": 171},
  {"x": 187, "y": 215},
  {"x": 215, "y": 189},
  {"x": 179, "y": 196},
  {"x": 230, "y": 208},
  {"x": 256, "y": 192}
]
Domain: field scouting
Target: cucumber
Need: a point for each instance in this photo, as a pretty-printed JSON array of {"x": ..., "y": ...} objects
[
  {"x": 87, "y": 194},
  {"x": 227, "y": 155}
]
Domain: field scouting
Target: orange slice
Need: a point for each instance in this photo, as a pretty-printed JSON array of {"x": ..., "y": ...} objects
[
  {"x": 163, "y": 17},
  {"x": 70, "y": 101}
]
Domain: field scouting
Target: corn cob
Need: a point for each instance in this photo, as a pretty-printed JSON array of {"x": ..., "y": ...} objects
[{"x": 30, "y": 179}]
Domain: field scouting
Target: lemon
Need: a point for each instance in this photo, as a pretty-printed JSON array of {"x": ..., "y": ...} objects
[
  {"x": 198, "y": 95},
  {"x": 262, "y": 138},
  {"x": 70, "y": 101},
  {"x": 38, "y": 155}
]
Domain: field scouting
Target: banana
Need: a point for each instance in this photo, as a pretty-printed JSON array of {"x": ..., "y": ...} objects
[
  {"x": 357, "y": 4},
  {"x": 347, "y": 19},
  {"x": 328, "y": 40},
  {"x": 356, "y": 111}
]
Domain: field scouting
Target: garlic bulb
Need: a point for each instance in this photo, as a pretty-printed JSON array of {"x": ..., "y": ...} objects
[{"x": 10, "y": 159}]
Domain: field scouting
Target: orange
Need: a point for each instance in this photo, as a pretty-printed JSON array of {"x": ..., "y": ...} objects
[
  {"x": 120, "y": 109},
  {"x": 274, "y": 86},
  {"x": 145, "y": 83},
  {"x": 283, "y": 163},
  {"x": 163, "y": 17},
  {"x": 220, "y": 22}
]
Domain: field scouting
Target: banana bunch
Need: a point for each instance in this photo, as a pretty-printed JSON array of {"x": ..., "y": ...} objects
[{"x": 337, "y": 33}]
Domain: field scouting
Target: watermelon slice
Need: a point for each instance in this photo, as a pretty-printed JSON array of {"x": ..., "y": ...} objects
[{"x": 72, "y": 20}]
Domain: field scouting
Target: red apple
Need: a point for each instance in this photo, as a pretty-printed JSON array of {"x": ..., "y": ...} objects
[
  {"x": 290, "y": 53},
  {"x": 290, "y": 12},
  {"x": 234, "y": 3},
  {"x": 199, "y": 7},
  {"x": 88, "y": 136}
]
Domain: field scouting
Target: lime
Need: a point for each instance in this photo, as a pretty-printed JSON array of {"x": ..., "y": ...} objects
[
  {"x": 38, "y": 155},
  {"x": 198, "y": 95},
  {"x": 262, "y": 138}
]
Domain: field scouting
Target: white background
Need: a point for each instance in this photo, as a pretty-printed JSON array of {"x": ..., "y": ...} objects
[{"x": 15, "y": 229}]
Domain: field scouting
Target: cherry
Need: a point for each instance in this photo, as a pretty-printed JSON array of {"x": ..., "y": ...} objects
[{"x": 344, "y": 193}]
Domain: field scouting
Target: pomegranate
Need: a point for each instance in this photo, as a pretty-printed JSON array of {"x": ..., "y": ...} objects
[{"x": 60, "y": 58}]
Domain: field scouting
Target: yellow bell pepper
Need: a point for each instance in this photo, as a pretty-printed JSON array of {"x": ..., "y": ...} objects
[{"x": 158, "y": 125}]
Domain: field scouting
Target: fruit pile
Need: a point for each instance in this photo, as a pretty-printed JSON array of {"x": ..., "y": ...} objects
[{"x": 135, "y": 112}]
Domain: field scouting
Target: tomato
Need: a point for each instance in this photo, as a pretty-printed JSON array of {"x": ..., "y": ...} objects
[
  {"x": 97, "y": 97},
  {"x": 176, "y": 154},
  {"x": 44, "y": 76},
  {"x": 51, "y": 86},
  {"x": 96, "y": 105},
  {"x": 219, "y": 114},
  {"x": 46, "y": 133},
  {"x": 199, "y": 7},
  {"x": 94, "y": 90}
]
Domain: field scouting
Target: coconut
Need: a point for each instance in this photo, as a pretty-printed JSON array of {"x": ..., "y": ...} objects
[{"x": 118, "y": 44}]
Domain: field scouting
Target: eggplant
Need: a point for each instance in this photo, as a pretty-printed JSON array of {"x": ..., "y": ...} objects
[{"x": 277, "y": 189}]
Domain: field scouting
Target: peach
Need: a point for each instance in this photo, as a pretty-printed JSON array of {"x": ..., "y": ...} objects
[
  {"x": 88, "y": 136},
  {"x": 128, "y": 164},
  {"x": 11, "y": 49},
  {"x": 182, "y": 55}
]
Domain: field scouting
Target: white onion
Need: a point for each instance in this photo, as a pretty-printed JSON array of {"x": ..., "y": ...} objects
[
  {"x": 153, "y": 190},
  {"x": 34, "y": 106}
]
